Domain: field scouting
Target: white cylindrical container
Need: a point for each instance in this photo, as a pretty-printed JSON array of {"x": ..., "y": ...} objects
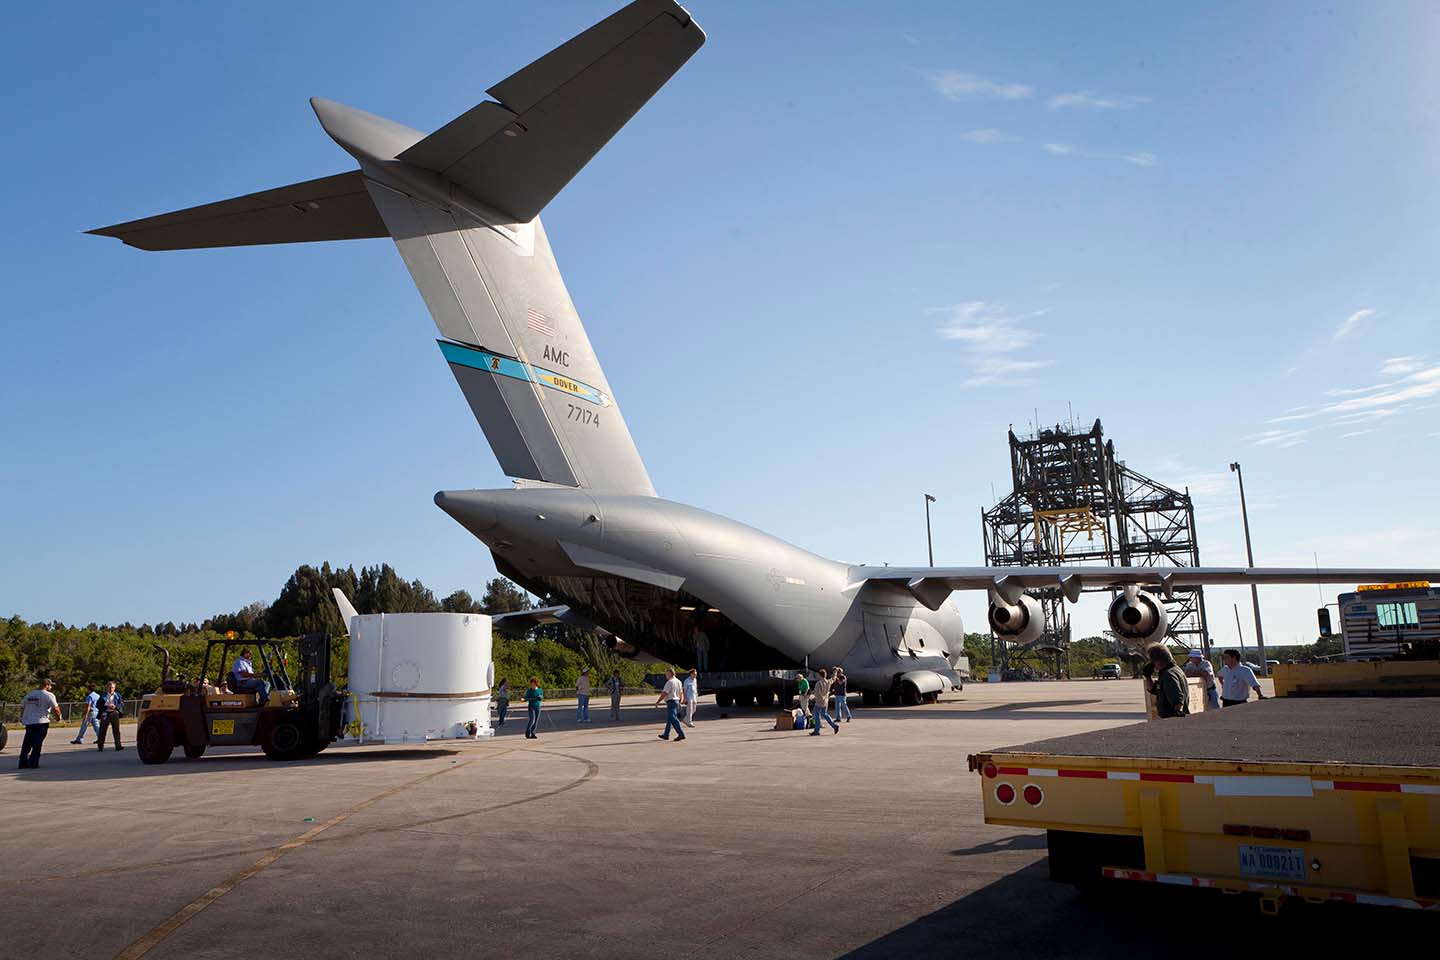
[{"x": 420, "y": 676}]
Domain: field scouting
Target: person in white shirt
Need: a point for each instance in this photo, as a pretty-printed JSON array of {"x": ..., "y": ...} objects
[
  {"x": 691, "y": 687},
  {"x": 1197, "y": 666},
  {"x": 246, "y": 680},
  {"x": 35, "y": 712},
  {"x": 1237, "y": 680},
  {"x": 671, "y": 697},
  {"x": 91, "y": 718},
  {"x": 582, "y": 696}
]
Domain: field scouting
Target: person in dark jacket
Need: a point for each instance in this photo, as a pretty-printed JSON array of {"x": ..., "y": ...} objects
[
  {"x": 111, "y": 707},
  {"x": 1167, "y": 682}
]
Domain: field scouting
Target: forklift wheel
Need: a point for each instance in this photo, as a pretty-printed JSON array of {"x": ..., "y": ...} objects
[
  {"x": 286, "y": 741},
  {"x": 155, "y": 741},
  {"x": 195, "y": 750}
]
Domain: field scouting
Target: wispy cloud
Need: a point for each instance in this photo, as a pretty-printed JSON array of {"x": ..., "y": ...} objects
[
  {"x": 1143, "y": 159},
  {"x": 1090, "y": 100},
  {"x": 1401, "y": 366},
  {"x": 1351, "y": 323},
  {"x": 1356, "y": 433},
  {"x": 961, "y": 85},
  {"x": 987, "y": 327},
  {"x": 1279, "y": 438},
  {"x": 987, "y": 136},
  {"x": 1012, "y": 372}
]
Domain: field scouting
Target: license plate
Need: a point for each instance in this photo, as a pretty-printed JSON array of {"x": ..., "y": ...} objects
[
  {"x": 1279, "y": 863},
  {"x": 222, "y": 727}
]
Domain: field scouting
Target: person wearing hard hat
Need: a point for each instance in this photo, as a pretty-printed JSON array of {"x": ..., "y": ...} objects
[{"x": 1197, "y": 666}]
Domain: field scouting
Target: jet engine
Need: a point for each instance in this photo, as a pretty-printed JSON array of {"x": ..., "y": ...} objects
[
  {"x": 1018, "y": 622},
  {"x": 1139, "y": 616}
]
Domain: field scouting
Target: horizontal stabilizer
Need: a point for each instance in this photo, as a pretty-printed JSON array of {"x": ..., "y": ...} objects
[
  {"x": 555, "y": 114},
  {"x": 330, "y": 208}
]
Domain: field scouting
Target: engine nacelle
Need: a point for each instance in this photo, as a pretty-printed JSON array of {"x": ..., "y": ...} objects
[
  {"x": 1019, "y": 622},
  {"x": 1139, "y": 616}
]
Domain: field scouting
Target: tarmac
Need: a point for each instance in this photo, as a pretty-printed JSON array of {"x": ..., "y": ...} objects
[{"x": 595, "y": 840}]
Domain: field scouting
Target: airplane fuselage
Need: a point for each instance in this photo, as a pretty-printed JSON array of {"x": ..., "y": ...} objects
[{"x": 654, "y": 571}]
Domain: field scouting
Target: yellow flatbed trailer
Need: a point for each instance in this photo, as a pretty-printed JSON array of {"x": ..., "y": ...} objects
[{"x": 1316, "y": 798}]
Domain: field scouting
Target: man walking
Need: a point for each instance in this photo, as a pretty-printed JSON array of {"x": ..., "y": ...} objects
[
  {"x": 615, "y": 685},
  {"x": 1237, "y": 680},
  {"x": 35, "y": 712},
  {"x": 582, "y": 696},
  {"x": 822, "y": 703},
  {"x": 842, "y": 708},
  {"x": 91, "y": 717},
  {"x": 692, "y": 694},
  {"x": 671, "y": 697},
  {"x": 1196, "y": 665},
  {"x": 111, "y": 707}
]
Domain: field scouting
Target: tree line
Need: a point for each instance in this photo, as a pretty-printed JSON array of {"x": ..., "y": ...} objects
[{"x": 75, "y": 657}]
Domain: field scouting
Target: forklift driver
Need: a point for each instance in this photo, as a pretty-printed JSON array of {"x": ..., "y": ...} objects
[{"x": 245, "y": 680}]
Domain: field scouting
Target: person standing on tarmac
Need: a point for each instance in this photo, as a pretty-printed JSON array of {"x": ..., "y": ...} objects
[
  {"x": 502, "y": 701},
  {"x": 91, "y": 718},
  {"x": 112, "y": 708},
  {"x": 35, "y": 712},
  {"x": 691, "y": 686},
  {"x": 1197, "y": 666},
  {"x": 842, "y": 708},
  {"x": 1237, "y": 680},
  {"x": 671, "y": 697},
  {"x": 582, "y": 696},
  {"x": 534, "y": 696},
  {"x": 1167, "y": 682},
  {"x": 616, "y": 686}
]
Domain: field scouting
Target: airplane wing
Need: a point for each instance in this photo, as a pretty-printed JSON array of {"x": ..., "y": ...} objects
[
  {"x": 330, "y": 208},
  {"x": 555, "y": 114},
  {"x": 932, "y": 585},
  {"x": 521, "y": 622}
]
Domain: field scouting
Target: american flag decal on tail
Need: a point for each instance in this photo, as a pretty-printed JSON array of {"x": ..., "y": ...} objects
[{"x": 538, "y": 322}]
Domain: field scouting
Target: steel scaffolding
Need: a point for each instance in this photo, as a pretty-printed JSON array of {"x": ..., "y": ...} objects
[{"x": 1073, "y": 502}]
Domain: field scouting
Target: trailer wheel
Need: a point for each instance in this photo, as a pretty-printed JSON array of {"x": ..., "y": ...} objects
[
  {"x": 1077, "y": 858},
  {"x": 194, "y": 750},
  {"x": 155, "y": 740}
]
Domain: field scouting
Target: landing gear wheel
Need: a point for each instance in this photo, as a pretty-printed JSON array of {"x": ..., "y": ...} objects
[
  {"x": 890, "y": 698},
  {"x": 155, "y": 741},
  {"x": 724, "y": 699},
  {"x": 910, "y": 695},
  {"x": 194, "y": 750},
  {"x": 765, "y": 698},
  {"x": 869, "y": 698},
  {"x": 285, "y": 741},
  {"x": 744, "y": 699},
  {"x": 787, "y": 701}
]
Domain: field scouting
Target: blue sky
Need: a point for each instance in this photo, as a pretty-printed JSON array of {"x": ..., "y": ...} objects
[{"x": 825, "y": 269}]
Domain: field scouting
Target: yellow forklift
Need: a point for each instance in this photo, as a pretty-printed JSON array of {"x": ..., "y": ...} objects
[{"x": 296, "y": 722}]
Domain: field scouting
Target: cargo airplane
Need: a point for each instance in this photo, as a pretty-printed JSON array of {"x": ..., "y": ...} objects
[{"x": 582, "y": 525}]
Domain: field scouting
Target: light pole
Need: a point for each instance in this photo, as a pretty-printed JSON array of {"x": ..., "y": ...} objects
[
  {"x": 1250, "y": 561},
  {"x": 929, "y": 543}
]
